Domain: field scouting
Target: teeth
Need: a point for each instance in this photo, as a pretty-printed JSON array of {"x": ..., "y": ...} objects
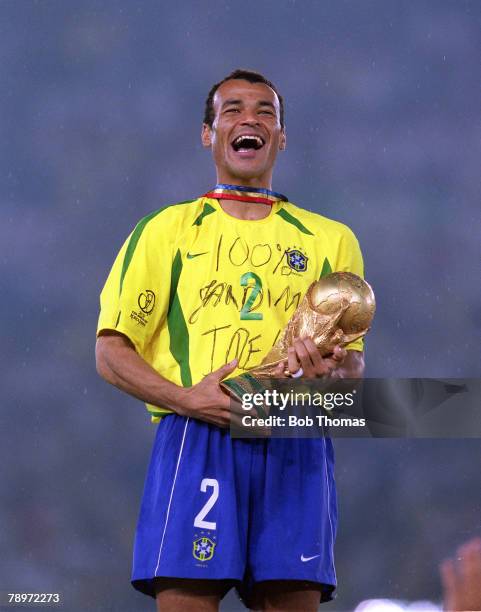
[{"x": 239, "y": 139}]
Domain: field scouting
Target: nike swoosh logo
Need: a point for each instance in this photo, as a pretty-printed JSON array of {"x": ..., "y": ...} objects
[
  {"x": 304, "y": 559},
  {"x": 192, "y": 255}
]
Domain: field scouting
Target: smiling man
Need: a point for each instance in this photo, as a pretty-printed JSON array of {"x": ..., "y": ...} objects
[{"x": 200, "y": 291}]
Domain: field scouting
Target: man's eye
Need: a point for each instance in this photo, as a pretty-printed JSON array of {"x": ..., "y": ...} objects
[
  {"x": 232, "y": 110},
  {"x": 266, "y": 112}
]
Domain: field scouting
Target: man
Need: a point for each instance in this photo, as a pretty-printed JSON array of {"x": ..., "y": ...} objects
[
  {"x": 200, "y": 292},
  {"x": 461, "y": 578}
]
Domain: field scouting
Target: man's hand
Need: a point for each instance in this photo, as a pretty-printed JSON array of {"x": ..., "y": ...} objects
[
  {"x": 305, "y": 354},
  {"x": 461, "y": 578},
  {"x": 120, "y": 365},
  {"x": 206, "y": 400}
]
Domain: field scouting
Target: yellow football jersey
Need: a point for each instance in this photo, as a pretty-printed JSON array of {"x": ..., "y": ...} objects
[{"x": 194, "y": 287}]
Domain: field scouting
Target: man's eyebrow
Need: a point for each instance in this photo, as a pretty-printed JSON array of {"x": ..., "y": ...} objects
[
  {"x": 231, "y": 101},
  {"x": 266, "y": 103},
  {"x": 260, "y": 103}
]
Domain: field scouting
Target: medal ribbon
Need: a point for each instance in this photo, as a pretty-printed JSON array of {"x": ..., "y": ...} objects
[{"x": 245, "y": 194}]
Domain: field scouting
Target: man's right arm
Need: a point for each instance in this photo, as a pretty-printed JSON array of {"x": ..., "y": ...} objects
[{"x": 120, "y": 365}]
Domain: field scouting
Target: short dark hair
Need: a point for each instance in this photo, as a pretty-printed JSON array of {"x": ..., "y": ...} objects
[{"x": 245, "y": 75}]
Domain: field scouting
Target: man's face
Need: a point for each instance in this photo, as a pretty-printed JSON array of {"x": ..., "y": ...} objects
[{"x": 246, "y": 132}]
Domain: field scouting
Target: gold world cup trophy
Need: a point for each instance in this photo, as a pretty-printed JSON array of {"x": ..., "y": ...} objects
[{"x": 336, "y": 310}]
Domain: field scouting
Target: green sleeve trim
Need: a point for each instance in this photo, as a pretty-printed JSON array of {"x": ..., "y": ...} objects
[
  {"x": 134, "y": 239},
  {"x": 159, "y": 413},
  {"x": 326, "y": 268},
  {"x": 208, "y": 210},
  {"x": 179, "y": 334},
  {"x": 294, "y": 221}
]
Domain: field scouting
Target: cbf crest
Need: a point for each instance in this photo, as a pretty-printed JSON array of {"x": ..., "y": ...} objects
[
  {"x": 296, "y": 260},
  {"x": 203, "y": 549}
]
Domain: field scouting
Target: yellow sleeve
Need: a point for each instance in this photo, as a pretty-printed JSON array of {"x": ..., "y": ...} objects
[
  {"x": 349, "y": 259},
  {"x": 135, "y": 297}
]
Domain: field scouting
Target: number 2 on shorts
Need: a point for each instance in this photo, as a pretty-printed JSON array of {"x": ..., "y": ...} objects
[{"x": 199, "y": 519}]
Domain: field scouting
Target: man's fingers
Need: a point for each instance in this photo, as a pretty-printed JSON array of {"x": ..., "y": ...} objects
[
  {"x": 314, "y": 354},
  {"x": 317, "y": 365},
  {"x": 329, "y": 363},
  {"x": 279, "y": 370},
  {"x": 225, "y": 370},
  {"x": 469, "y": 556},
  {"x": 449, "y": 580},
  {"x": 235, "y": 406},
  {"x": 339, "y": 353},
  {"x": 293, "y": 364},
  {"x": 225, "y": 418},
  {"x": 308, "y": 362},
  {"x": 305, "y": 354},
  {"x": 221, "y": 420}
]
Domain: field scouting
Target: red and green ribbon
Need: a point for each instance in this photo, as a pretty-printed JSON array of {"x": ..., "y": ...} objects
[{"x": 245, "y": 194}]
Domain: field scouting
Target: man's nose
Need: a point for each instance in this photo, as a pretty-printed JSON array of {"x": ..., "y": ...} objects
[{"x": 250, "y": 118}]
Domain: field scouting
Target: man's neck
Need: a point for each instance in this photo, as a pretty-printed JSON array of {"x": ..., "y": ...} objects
[{"x": 251, "y": 211}]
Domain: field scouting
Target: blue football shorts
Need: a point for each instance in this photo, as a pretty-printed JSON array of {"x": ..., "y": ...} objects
[{"x": 244, "y": 510}]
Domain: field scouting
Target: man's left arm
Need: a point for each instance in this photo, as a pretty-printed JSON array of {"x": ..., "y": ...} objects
[{"x": 344, "y": 362}]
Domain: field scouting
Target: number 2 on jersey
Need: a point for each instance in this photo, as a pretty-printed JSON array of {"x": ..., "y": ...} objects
[
  {"x": 199, "y": 519},
  {"x": 245, "y": 313}
]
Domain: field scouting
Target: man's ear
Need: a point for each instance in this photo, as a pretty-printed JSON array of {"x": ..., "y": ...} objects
[
  {"x": 282, "y": 140},
  {"x": 206, "y": 135}
]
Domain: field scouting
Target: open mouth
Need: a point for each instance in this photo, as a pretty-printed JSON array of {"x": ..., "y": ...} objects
[{"x": 247, "y": 142}]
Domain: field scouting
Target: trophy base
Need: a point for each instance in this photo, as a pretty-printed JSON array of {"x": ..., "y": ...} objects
[{"x": 245, "y": 383}]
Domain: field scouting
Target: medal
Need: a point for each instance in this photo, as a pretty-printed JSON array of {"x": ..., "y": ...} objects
[{"x": 245, "y": 194}]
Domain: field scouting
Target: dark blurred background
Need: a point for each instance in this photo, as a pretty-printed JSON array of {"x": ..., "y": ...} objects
[{"x": 101, "y": 105}]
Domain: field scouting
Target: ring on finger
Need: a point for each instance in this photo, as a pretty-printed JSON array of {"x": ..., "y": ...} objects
[{"x": 298, "y": 374}]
